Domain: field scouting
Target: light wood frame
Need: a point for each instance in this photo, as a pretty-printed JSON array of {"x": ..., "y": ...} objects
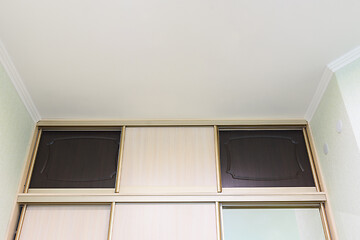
[
  {"x": 111, "y": 220},
  {"x": 252, "y": 199},
  {"x": 328, "y": 217},
  {"x": 21, "y": 221},
  {"x": 121, "y": 154},
  {"x": 170, "y": 122},
  {"x": 16, "y": 208},
  {"x": 32, "y": 163},
  {"x": 218, "y": 221},
  {"x": 109, "y": 198},
  {"x": 217, "y": 159}
]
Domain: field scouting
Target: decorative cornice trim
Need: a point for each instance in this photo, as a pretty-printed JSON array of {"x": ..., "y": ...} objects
[
  {"x": 344, "y": 60},
  {"x": 325, "y": 79},
  {"x": 329, "y": 71},
  {"x": 15, "y": 78}
]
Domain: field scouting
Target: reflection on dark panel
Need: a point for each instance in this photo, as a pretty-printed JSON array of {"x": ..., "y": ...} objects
[
  {"x": 264, "y": 159},
  {"x": 76, "y": 159}
]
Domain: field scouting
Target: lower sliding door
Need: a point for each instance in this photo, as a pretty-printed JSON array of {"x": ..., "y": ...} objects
[
  {"x": 164, "y": 221},
  {"x": 70, "y": 222},
  {"x": 272, "y": 224},
  {"x": 175, "y": 221}
]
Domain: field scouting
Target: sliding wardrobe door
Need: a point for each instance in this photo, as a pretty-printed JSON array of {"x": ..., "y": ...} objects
[
  {"x": 272, "y": 224},
  {"x": 164, "y": 221},
  {"x": 70, "y": 222},
  {"x": 76, "y": 159},
  {"x": 168, "y": 159},
  {"x": 264, "y": 158}
]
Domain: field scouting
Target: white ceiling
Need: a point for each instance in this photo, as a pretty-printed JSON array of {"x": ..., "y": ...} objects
[{"x": 175, "y": 58}]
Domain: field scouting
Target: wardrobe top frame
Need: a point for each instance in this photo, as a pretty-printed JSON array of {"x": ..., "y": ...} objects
[{"x": 161, "y": 123}]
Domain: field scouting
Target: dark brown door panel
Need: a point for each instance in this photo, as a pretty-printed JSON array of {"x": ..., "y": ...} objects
[
  {"x": 76, "y": 159},
  {"x": 271, "y": 158}
]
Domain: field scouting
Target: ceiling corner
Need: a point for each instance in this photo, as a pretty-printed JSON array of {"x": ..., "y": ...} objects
[
  {"x": 16, "y": 80},
  {"x": 345, "y": 59},
  {"x": 330, "y": 69}
]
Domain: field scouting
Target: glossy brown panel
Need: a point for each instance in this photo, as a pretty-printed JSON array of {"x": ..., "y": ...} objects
[
  {"x": 270, "y": 158},
  {"x": 76, "y": 159}
]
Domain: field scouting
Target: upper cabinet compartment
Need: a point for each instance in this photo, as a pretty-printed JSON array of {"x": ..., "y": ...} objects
[
  {"x": 168, "y": 160},
  {"x": 76, "y": 159},
  {"x": 264, "y": 158}
]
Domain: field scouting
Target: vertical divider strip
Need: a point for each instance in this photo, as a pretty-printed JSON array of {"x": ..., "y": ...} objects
[
  {"x": 325, "y": 222},
  {"x": 111, "y": 221},
  {"x": 329, "y": 214},
  {"x": 15, "y": 213},
  {"x": 20, "y": 224},
  {"x": 313, "y": 169},
  {"x": 120, "y": 160},
  {"x": 27, "y": 185},
  {"x": 217, "y": 159},
  {"x": 218, "y": 220}
]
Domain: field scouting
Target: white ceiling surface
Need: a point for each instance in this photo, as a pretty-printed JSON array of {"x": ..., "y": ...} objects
[{"x": 175, "y": 58}]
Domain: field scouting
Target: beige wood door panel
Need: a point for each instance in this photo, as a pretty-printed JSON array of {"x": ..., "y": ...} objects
[
  {"x": 70, "y": 222},
  {"x": 164, "y": 221},
  {"x": 168, "y": 159}
]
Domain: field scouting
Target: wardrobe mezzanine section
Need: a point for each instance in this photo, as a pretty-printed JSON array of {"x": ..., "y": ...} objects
[{"x": 165, "y": 181}]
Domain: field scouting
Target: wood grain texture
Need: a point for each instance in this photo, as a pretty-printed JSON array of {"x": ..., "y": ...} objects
[
  {"x": 70, "y": 222},
  {"x": 168, "y": 159},
  {"x": 177, "y": 221}
]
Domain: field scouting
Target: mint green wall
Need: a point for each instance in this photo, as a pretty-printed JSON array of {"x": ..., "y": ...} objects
[
  {"x": 16, "y": 128},
  {"x": 341, "y": 166},
  {"x": 349, "y": 83},
  {"x": 272, "y": 224}
]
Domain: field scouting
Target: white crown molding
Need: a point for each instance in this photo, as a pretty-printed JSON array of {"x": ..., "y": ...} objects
[
  {"x": 325, "y": 79},
  {"x": 329, "y": 71},
  {"x": 13, "y": 74},
  {"x": 344, "y": 60}
]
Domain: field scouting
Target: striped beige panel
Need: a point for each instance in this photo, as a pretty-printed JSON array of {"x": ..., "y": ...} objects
[
  {"x": 70, "y": 222},
  {"x": 163, "y": 221},
  {"x": 168, "y": 159}
]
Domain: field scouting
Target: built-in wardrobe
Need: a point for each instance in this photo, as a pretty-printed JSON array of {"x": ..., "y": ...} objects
[{"x": 161, "y": 180}]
